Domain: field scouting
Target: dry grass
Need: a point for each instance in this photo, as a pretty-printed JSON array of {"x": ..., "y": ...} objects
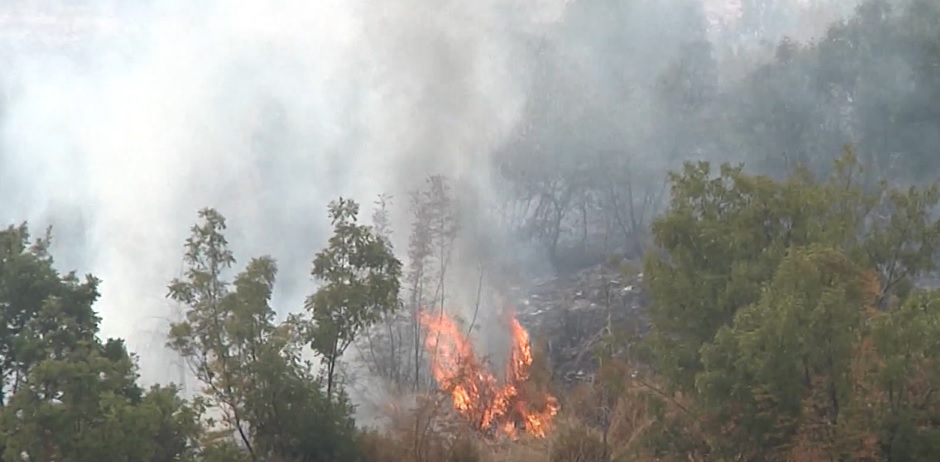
[
  {"x": 577, "y": 443},
  {"x": 432, "y": 432},
  {"x": 429, "y": 431}
]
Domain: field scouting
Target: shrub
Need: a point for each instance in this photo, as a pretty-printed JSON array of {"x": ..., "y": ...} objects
[
  {"x": 577, "y": 444},
  {"x": 463, "y": 449},
  {"x": 378, "y": 447}
]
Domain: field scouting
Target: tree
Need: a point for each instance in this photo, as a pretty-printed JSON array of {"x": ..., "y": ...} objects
[
  {"x": 765, "y": 296},
  {"x": 907, "y": 371},
  {"x": 67, "y": 395},
  {"x": 252, "y": 368},
  {"x": 385, "y": 348},
  {"x": 80, "y": 411},
  {"x": 719, "y": 241},
  {"x": 30, "y": 284},
  {"x": 203, "y": 337},
  {"x": 789, "y": 347},
  {"x": 291, "y": 415},
  {"x": 434, "y": 229},
  {"x": 360, "y": 277}
]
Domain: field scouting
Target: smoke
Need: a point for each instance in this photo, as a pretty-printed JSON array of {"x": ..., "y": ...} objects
[
  {"x": 265, "y": 110},
  {"x": 119, "y": 121}
]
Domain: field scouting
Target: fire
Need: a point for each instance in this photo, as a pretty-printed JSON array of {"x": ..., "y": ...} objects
[{"x": 484, "y": 401}]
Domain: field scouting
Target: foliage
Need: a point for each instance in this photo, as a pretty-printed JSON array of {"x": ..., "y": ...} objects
[
  {"x": 250, "y": 365},
  {"x": 360, "y": 276},
  {"x": 67, "y": 394},
  {"x": 775, "y": 296}
]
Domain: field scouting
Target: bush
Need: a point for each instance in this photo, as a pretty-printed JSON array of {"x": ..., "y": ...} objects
[
  {"x": 577, "y": 444},
  {"x": 464, "y": 450},
  {"x": 377, "y": 447}
]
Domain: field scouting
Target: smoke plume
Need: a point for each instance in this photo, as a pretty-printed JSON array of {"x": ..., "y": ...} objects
[{"x": 118, "y": 123}]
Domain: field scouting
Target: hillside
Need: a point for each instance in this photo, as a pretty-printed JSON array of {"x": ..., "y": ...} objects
[{"x": 573, "y": 313}]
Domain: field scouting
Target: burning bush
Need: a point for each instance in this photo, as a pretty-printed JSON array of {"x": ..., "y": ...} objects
[{"x": 490, "y": 406}]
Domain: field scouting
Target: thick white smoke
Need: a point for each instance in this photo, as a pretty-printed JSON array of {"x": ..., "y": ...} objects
[
  {"x": 119, "y": 121},
  {"x": 264, "y": 109}
]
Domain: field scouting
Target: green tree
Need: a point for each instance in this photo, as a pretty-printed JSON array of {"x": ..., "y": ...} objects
[
  {"x": 67, "y": 395},
  {"x": 908, "y": 373},
  {"x": 791, "y": 346},
  {"x": 203, "y": 337},
  {"x": 75, "y": 415},
  {"x": 252, "y": 368},
  {"x": 360, "y": 283},
  {"x": 785, "y": 307},
  {"x": 720, "y": 240},
  {"x": 30, "y": 285}
]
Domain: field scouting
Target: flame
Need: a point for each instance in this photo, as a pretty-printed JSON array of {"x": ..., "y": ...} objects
[{"x": 476, "y": 393}]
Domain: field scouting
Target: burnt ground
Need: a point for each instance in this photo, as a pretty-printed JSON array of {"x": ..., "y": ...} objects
[{"x": 572, "y": 313}]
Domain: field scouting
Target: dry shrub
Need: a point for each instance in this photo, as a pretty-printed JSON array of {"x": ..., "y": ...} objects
[
  {"x": 630, "y": 420},
  {"x": 380, "y": 447},
  {"x": 576, "y": 443},
  {"x": 464, "y": 449},
  {"x": 619, "y": 404},
  {"x": 428, "y": 432},
  {"x": 522, "y": 451},
  {"x": 582, "y": 403},
  {"x": 431, "y": 431}
]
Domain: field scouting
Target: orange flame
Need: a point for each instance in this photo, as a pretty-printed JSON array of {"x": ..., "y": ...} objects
[{"x": 475, "y": 391}]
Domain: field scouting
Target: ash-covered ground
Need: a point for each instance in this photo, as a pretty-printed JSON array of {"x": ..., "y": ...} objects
[{"x": 572, "y": 313}]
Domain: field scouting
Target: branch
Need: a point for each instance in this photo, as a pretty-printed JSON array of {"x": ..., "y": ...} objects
[{"x": 476, "y": 308}]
